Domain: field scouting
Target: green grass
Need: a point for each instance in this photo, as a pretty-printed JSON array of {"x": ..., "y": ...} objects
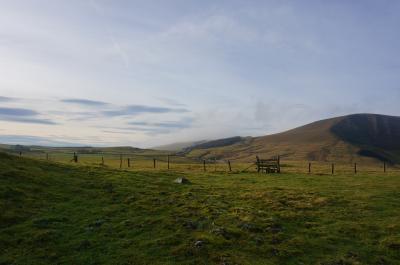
[{"x": 53, "y": 213}]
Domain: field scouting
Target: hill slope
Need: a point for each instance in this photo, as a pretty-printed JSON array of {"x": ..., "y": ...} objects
[
  {"x": 179, "y": 146},
  {"x": 348, "y": 138}
]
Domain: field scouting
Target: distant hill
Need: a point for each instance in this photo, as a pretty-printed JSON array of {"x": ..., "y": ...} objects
[
  {"x": 348, "y": 138},
  {"x": 220, "y": 142},
  {"x": 185, "y": 147},
  {"x": 179, "y": 146},
  {"x": 34, "y": 149}
]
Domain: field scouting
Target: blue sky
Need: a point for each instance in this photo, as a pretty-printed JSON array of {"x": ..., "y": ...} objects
[{"x": 146, "y": 73}]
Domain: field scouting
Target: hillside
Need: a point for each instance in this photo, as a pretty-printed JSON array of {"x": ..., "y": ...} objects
[
  {"x": 179, "y": 146},
  {"x": 57, "y": 214},
  {"x": 359, "y": 137}
]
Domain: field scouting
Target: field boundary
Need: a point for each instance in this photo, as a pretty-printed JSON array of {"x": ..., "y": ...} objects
[{"x": 135, "y": 161}]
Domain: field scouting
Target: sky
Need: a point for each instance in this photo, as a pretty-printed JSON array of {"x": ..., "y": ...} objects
[{"x": 148, "y": 73}]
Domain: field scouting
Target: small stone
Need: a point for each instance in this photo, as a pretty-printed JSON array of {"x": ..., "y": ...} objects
[
  {"x": 182, "y": 181},
  {"x": 199, "y": 243}
]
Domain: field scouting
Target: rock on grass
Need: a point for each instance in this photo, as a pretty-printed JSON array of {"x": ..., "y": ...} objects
[{"x": 182, "y": 181}]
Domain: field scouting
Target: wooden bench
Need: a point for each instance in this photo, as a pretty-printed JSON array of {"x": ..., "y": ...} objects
[{"x": 271, "y": 165}]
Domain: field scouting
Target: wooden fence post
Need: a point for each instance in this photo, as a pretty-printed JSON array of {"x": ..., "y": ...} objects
[
  {"x": 229, "y": 164},
  {"x": 129, "y": 162},
  {"x": 204, "y": 165},
  {"x": 20, "y": 153},
  {"x": 47, "y": 156},
  {"x": 120, "y": 161},
  {"x": 75, "y": 157},
  {"x": 333, "y": 168},
  {"x": 154, "y": 163},
  {"x": 168, "y": 161},
  {"x": 279, "y": 164},
  {"x": 355, "y": 168},
  {"x": 102, "y": 160},
  {"x": 309, "y": 168}
]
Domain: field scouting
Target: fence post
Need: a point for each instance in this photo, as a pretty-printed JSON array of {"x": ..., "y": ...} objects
[
  {"x": 154, "y": 163},
  {"x": 215, "y": 164},
  {"x": 102, "y": 160},
  {"x": 355, "y": 168},
  {"x": 20, "y": 153},
  {"x": 384, "y": 166},
  {"x": 120, "y": 161},
  {"x": 75, "y": 157},
  {"x": 229, "y": 164},
  {"x": 204, "y": 165},
  {"x": 129, "y": 162},
  {"x": 47, "y": 156},
  {"x": 279, "y": 164},
  {"x": 309, "y": 168},
  {"x": 333, "y": 168},
  {"x": 168, "y": 161}
]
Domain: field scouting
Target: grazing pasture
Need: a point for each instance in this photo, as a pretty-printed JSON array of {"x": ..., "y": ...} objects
[
  {"x": 141, "y": 159},
  {"x": 85, "y": 213}
]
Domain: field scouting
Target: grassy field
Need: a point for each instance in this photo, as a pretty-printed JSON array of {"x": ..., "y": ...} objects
[
  {"x": 142, "y": 160},
  {"x": 53, "y": 213}
]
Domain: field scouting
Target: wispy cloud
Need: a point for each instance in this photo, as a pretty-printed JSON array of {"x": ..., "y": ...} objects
[
  {"x": 84, "y": 102},
  {"x": 171, "y": 101},
  {"x": 23, "y": 116},
  {"x": 28, "y": 120},
  {"x": 152, "y": 128},
  {"x": 150, "y": 131},
  {"x": 141, "y": 109},
  {"x": 17, "y": 112},
  {"x": 6, "y": 99},
  {"x": 182, "y": 124},
  {"x": 139, "y": 123},
  {"x": 34, "y": 140}
]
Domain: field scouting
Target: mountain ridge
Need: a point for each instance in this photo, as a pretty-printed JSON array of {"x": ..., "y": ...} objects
[{"x": 355, "y": 137}]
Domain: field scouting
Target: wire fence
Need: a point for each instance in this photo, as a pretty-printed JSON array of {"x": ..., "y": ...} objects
[{"x": 135, "y": 161}]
